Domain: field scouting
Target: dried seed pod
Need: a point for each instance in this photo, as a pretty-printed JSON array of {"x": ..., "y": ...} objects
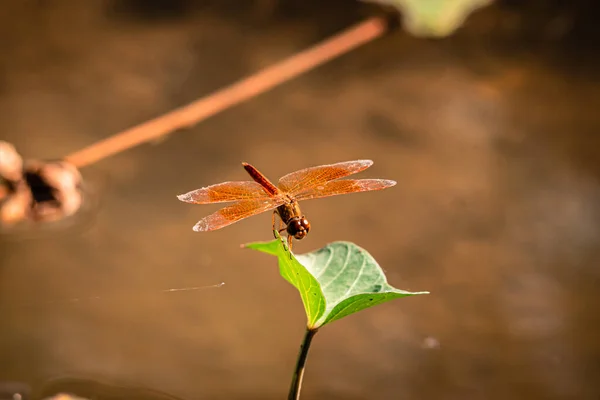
[
  {"x": 60, "y": 175},
  {"x": 4, "y": 190},
  {"x": 48, "y": 191},
  {"x": 11, "y": 163},
  {"x": 16, "y": 207},
  {"x": 40, "y": 189},
  {"x": 70, "y": 201},
  {"x": 72, "y": 169},
  {"x": 46, "y": 211}
]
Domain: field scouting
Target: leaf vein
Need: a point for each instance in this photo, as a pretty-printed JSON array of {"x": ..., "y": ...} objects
[
  {"x": 341, "y": 270},
  {"x": 360, "y": 272}
]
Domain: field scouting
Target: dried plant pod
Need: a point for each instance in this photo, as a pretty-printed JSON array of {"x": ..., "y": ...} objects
[
  {"x": 60, "y": 175},
  {"x": 16, "y": 207},
  {"x": 70, "y": 201},
  {"x": 11, "y": 163},
  {"x": 4, "y": 190},
  {"x": 47, "y": 191},
  {"x": 46, "y": 211}
]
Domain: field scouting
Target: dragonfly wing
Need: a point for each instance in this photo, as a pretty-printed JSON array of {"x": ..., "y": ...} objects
[
  {"x": 235, "y": 212},
  {"x": 224, "y": 192},
  {"x": 298, "y": 181},
  {"x": 344, "y": 186}
]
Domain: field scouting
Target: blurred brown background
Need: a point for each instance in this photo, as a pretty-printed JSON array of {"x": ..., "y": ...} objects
[{"x": 492, "y": 135}]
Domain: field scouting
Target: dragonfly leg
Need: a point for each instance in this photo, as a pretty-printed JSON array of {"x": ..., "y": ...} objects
[
  {"x": 282, "y": 227},
  {"x": 273, "y": 220}
]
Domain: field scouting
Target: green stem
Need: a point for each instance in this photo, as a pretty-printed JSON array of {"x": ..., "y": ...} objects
[{"x": 299, "y": 371}]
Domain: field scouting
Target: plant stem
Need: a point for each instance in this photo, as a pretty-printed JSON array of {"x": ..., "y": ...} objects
[
  {"x": 270, "y": 77},
  {"x": 299, "y": 371}
]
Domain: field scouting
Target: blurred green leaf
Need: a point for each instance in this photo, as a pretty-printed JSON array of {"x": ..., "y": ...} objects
[
  {"x": 336, "y": 281},
  {"x": 434, "y": 18}
]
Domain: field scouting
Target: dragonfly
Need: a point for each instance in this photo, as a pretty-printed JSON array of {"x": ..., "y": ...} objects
[{"x": 261, "y": 195}]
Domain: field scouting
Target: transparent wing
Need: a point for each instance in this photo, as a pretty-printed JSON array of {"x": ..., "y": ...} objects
[
  {"x": 344, "y": 186},
  {"x": 224, "y": 192},
  {"x": 235, "y": 212},
  {"x": 298, "y": 181}
]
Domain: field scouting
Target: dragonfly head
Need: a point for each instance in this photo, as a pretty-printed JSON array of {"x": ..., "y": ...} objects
[{"x": 298, "y": 227}]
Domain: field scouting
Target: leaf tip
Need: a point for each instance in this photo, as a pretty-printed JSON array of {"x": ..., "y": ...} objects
[{"x": 251, "y": 245}]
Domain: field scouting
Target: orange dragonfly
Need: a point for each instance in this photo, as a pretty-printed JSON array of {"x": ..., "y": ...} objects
[{"x": 260, "y": 195}]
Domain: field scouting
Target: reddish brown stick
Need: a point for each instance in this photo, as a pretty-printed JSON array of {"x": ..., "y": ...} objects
[{"x": 238, "y": 92}]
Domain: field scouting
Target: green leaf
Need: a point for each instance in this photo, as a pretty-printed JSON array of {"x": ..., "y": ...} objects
[
  {"x": 293, "y": 272},
  {"x": 336, "y": 281},
  {"x": 434, "y": 18}
]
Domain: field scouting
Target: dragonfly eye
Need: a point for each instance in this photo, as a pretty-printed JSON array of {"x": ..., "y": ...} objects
[
  {"x": 304, "y": 222},
  {"x": 298, "y": 228}
]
